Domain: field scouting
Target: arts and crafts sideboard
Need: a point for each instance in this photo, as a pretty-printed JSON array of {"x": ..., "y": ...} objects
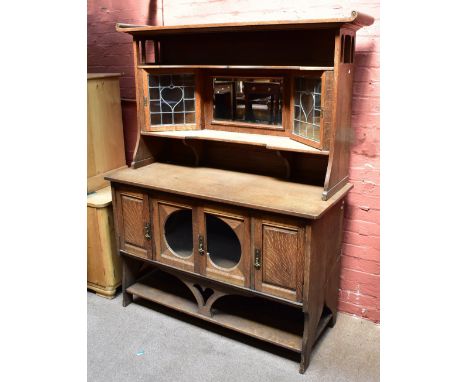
[{"x": 232, "y": 209}]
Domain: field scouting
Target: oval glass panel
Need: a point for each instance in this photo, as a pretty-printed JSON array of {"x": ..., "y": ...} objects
[
  {"x": 178, "y": 233},
  {"x": 223, "y": 244}
]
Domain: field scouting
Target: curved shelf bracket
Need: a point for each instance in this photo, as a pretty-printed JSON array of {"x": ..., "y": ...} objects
[
  {"x": 196, "y": 147},
  {"x": 205, "y": 296},
  {"x": 206, "y": 309},
  {"x": 286, "y": 158},
  {"x": 195, "y": 291}
]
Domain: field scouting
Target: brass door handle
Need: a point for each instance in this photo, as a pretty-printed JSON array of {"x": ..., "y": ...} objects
[
  {"x": 258, "y": 261},
  {"x": 201, "y": 251},
  {"x": 147, "y": 231}
]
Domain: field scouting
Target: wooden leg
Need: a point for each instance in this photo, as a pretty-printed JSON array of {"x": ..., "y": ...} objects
[
  {"x": 130, "y": 268},
  {"x": 332, "y": 322},
  {"x": 311, "y": 319},
  {"x": 310, "y": 333},
  {"x": 331, "y": 295}
]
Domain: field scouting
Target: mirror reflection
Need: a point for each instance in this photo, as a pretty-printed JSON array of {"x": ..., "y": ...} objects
[{"x": 253, "y": 100}]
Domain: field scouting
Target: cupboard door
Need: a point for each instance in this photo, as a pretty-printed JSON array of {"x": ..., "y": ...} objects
[
  {"x": 279, "y": 258},
  {"x": 134, "y": 223},
  {"x": 226, "y": 246},
  {"x": 311, "y": 102},
  {"x": 173, "y": 230}
]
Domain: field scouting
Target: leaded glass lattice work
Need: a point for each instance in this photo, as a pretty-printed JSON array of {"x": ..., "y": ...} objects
[
  {"x": 307, "y": 98},
  {"x": 172, "y": 99}
]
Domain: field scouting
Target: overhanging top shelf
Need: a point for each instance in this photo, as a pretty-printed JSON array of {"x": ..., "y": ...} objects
[{"x": 354, "y": 19}]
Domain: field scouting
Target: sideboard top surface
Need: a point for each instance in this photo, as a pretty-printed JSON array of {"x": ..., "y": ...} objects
[
  {"x": 241, "y": 189},
  {"x": 352, "y": 18}
]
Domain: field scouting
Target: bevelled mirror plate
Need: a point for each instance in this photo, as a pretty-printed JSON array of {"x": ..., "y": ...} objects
[{"x": 251, "y": 100}]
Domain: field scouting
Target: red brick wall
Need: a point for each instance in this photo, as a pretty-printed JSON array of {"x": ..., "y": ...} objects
[{"x": 109, "y": 51}]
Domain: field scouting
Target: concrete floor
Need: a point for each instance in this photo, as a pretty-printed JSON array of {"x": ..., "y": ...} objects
[{"x": 147, "y": 342}]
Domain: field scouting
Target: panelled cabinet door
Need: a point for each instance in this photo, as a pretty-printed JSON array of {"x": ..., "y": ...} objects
[
  {"x": 226, "y": 246},
  {"x": 134, "y": 223},
  {"x": 279, "y": 258},
  {"x": 174, "y": 234}
]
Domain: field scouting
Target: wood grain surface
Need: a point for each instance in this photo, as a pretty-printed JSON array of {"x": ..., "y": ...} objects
[{"x": 247, "y": 190}]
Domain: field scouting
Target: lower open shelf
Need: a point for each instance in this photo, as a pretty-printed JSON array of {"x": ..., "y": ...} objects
[{"x": 259, "y": 318}]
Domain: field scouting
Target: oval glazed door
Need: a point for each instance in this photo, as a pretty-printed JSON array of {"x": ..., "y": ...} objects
[
  {"x": 226, "y": 247},
  {"x": 173, "y": 225}
]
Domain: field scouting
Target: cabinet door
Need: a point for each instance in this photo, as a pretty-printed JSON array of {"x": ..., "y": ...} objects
[
  {"x": 173, "y": 230},
  {"x": 279, "y": 258},
  {"x": 134, "y": 223},
  {"x": 312, "y": 101},
  {"x": 226, "y": 246}
]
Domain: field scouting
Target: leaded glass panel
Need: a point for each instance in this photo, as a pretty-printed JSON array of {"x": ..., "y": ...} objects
[
  {"x": 172, "y": 99},
  {"x": 307, "y": 101}
]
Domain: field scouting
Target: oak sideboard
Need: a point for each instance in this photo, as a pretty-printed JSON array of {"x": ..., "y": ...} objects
[{"x": 232, "y": 209}]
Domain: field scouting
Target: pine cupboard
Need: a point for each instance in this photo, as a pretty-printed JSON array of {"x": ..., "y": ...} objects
[
  {"x": 104, "y": 269},
  {"x": 105, "y": 139},
  {"x": 232, "y": 209},
  {"x": 105, "y": 152}
]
